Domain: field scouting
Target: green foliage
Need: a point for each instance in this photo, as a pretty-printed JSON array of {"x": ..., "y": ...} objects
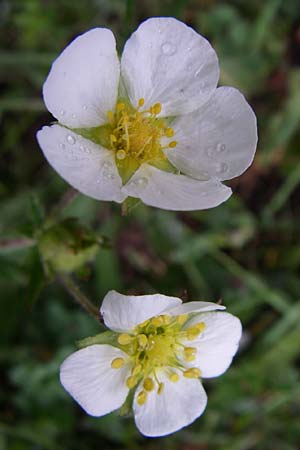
[{"x": 245, "y": 252}]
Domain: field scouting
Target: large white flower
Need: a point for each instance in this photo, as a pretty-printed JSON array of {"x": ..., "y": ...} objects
[
  {"x": 158, "y": 352},
  {"x": 153, "y": 125}
]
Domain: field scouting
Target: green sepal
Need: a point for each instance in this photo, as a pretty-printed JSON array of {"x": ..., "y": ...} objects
[
  {"x": 163, "y": 164},
  {"x": 98, "y": 135},
  {"x": 126, "y": 408},
  {"x": 107, "y": 337}
]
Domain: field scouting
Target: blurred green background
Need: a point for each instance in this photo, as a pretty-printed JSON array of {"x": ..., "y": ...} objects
[{"x": 245, "y": 252}]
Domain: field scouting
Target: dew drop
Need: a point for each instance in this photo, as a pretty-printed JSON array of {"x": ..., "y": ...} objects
[
  {"x": 198, "y": 73},
  {"x": 62, "y": 146},
  {"x": 71, "y": 139},
  {"x": 142, "y": 182},
  {"x": 107, "y": 165},
  {"x": 74, "y": 116},
  {"x": 62, "y": 112},
  {"x": 210, "y": 151},
  {"x": 84, "y": 149},
  {"x": 220, "y": 147},
  {"x": 221, "y": 168},
  {"x": 84, "y": 107},
  {"x": 168, "y": 48}
]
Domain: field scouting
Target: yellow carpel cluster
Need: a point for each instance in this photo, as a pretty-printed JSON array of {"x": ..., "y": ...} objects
[
  {"x": 155, "y": 346},
  {"x": 135, "y": 135}
]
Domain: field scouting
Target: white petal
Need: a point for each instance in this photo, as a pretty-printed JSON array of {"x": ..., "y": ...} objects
[
  {"x": 83, "y": 81},
  {"x": 219, "y": 139},
  {"x": 177, "y": 406},
  {"x": 124, "y": 312},
  {"x": 175, "y": 192},
  {"x": 193, "y": 307},
  {"x": 88, "y": 377},
  {"x": 168, "y": 62},
  {"x": 88, "y": 167},
  {"x": 218, "y": 343}
]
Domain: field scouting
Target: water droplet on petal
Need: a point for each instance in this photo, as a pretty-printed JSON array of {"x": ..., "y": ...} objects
[
  {"x": 220, "y": 147},
  {"x": 142, "y": 182},
  {"x": 71, "y": 139},
  {"x": 107, "y": 165},
  {"x": 84, "y": 107},
  {"x": 221, "y": 168},
  {"x": 210, "y": 151},
  {"x": 62, "y": 146},
  {"x": 62, "y": 112},
  {"x": 74, "y": 116},
  {"x": 168, "y": 48}
]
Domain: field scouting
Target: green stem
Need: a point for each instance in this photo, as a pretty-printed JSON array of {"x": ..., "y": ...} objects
[
  {"x": 64, "y": 202},
  {"x": 8, "y": 244},
  {"x": 70, "y": 286}
]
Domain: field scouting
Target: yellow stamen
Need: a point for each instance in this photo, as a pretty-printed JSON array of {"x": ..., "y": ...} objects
[
  {"x": 174, "y": 377},
  {"x": 169, "y": 132},
  {"x": 136, "y": 370},
  {"x": 121, "y": 154},
  {"x": 172, "y": 144},
  {"x": 156, "y": 109},
  {"x": 142, "y": 398},
  {"x": 117, "y": 363},
  {"x": 195, "y": 330},
  {"x": 160, "y": 388},
  {"x": 142, "y": 340},
  {"x": 193, "y": 372},
  {"x": 124, "y": 339},
  {"x": 120, "y": 106},
  {"x": 148, "y": 384},
  {"x": 182, "y": 319},
  {"x": 141, "y": 102},
  {"x": 131, "y": 382}
]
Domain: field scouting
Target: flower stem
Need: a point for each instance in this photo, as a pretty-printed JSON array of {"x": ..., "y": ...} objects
[
  {"x": 70, "y": 286},
  {"x": 8, "y": 244},
  {"x": 64, "y": 202}
]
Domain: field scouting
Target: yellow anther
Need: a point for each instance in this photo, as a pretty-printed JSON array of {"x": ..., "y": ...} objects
[
  {"x": 156, "y": 109},
  {"x": 189, "y": 358},
  {"x": 160, "y": 388},
  {"x": 113, "y": 138},
  {"x": 174, "y": 377},
  {"x": 192, "y": 373},
  {"x": 121, "y": 154},
  {"x": 166, "y": 319},
  {"x": 117, "y": 363},
  {"x": 189, "y": 353},
  {"x": 136, "y": 370},
  {"x": 142, "y": 340},
  {"x": 190, "y": 350},
  {"x": 172, "y": 144},
  {"x": 169, "y": 132},
  {"x": 182, "y": 319},
  {"x": 141, "y": 102},
  {"x": 195, "y": 330},
  {"x": 124, "y": 339},
  {"x": 131, "y": 382},
  {"x": 142, "y": 398},
  {"x": 148, "y": 384},
  {"x": 157, "y": 321},
  {"x": 120, "y": 106},
  {"x": 110, "y": 116}
]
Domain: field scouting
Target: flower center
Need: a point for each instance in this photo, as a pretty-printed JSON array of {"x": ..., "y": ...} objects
[
  {"x": 155, "y": 346},
  {"x": 135, "y": 137}
]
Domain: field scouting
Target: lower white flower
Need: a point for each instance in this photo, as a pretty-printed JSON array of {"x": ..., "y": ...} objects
[{"x": 158, "y": 351}]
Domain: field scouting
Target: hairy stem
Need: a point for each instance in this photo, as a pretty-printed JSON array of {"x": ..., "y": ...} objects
[{"x": 70, "y": 286}]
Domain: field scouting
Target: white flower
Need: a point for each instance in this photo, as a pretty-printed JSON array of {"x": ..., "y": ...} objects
[
  {"x": 159, "y": 351},
  {"x": 153, "y": 125}
]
